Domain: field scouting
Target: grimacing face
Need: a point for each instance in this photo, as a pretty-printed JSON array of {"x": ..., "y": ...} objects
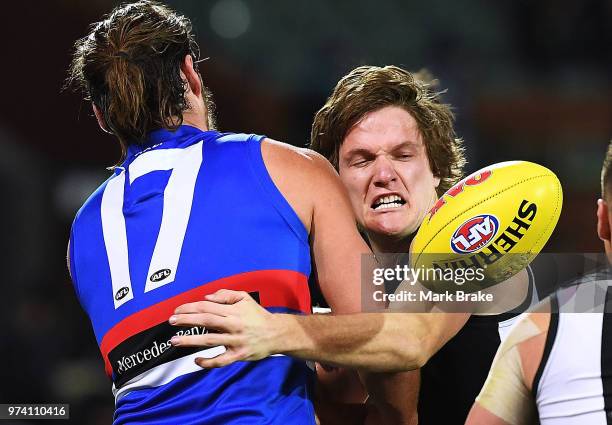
[{"x": 383, "y": 164}]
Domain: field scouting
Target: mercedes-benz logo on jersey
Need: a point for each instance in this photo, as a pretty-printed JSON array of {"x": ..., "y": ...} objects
[
  {"x": 474, "y": 234},
  {"x": 121, "y": 293},
  {"x": 160, "y": 275}
]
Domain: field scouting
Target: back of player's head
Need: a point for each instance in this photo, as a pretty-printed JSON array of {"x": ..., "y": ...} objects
[
  {"x": 369, "y": 88},
  {"x": 606, "y": 175},
  {"x": 129, "y": 67}
]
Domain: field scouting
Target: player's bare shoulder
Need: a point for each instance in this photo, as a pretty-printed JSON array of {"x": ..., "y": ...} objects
[
  {"x": 304, "y": 162},
  {"x": 301, "y": 175}
]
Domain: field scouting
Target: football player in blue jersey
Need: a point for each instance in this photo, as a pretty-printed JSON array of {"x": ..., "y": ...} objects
[{"x": 188, "y": 211}]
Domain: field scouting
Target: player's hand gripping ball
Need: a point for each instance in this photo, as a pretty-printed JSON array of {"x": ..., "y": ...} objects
[{"x": 493, "y": 222}]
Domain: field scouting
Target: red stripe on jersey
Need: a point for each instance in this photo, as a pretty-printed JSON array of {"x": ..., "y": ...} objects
[{"x": 277, "y": 288}]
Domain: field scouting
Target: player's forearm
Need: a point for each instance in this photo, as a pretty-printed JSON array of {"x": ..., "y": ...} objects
[
  {"x": 383, "y": 342},
  {"x": 375, "y": 342}
]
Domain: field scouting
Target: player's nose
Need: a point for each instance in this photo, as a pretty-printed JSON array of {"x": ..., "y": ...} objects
[{"x": 383, "y": 172}]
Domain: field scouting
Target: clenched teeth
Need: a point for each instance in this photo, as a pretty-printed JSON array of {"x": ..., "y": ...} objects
[{"x": 391, "y": 201}]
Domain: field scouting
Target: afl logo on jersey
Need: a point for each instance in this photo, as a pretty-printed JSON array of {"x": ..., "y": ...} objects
[
  {"x": 160, "y": 275},
  {"x": 121, "y": 293},
  {"x": 474, "y": 234}
]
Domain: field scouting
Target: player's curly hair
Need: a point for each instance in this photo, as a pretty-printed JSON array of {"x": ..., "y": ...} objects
[
  {"x": 129, "y": 67},
  {"x": 369, "y": 88}
]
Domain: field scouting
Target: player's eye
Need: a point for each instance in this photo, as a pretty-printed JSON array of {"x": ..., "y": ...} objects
[
  {"x": 361, "y": 162},
  {"x": 404, "y": 156}
]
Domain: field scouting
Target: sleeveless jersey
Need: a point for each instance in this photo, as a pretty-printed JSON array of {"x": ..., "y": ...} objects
[
  {"x": 573, "y": 384},
  {"x": 188, "y": 213},
  {"x": 454, "y": 376}
]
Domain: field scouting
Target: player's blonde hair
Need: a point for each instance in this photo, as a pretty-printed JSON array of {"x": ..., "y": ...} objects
[{"x": 369, "y": 88}]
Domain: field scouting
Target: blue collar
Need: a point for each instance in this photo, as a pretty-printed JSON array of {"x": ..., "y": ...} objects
[
  {"x": 162, "y": 135},
  {"x": 162, "y": 138}
]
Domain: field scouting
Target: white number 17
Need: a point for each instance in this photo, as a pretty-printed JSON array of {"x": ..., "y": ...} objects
[{"x": 178, "y": 197}]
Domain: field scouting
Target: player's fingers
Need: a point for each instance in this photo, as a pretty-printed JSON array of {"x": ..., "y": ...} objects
[
  {"x": 224, "y": 359},
  {"x": 227, "y": 296},
  {"x": 204, "y": 307},
  {"x": 188, "y": 308},
  {"x": 207, "y": 320},
  {"x": 206, "y": 340}
]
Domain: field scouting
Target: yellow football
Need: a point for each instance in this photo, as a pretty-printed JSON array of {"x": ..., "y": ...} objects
[{"x": 494, "y": 222}]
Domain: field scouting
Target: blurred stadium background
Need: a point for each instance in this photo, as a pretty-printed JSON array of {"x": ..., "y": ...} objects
[{"x": 529, "y": 79}]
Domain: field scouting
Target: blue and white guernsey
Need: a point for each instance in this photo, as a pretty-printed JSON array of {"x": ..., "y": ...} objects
[{"x": 188, "y": 213}]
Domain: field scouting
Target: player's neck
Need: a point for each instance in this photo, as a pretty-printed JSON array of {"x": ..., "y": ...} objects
[{"x": 195, "y": 119}]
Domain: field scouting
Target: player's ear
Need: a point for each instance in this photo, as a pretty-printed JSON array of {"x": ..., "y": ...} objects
[
  {"x": 100, "y": 117},
  {"x": 603, "y": 223},
  {"x": 191, "y": 76}
]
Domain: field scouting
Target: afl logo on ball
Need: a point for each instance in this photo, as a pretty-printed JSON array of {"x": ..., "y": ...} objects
[{"x": 474, "y": 234}]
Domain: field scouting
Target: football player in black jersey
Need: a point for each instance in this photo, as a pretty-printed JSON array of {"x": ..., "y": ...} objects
[
  {"x": 392, "y": 140},
  {"x": 555, "y": 367}
]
